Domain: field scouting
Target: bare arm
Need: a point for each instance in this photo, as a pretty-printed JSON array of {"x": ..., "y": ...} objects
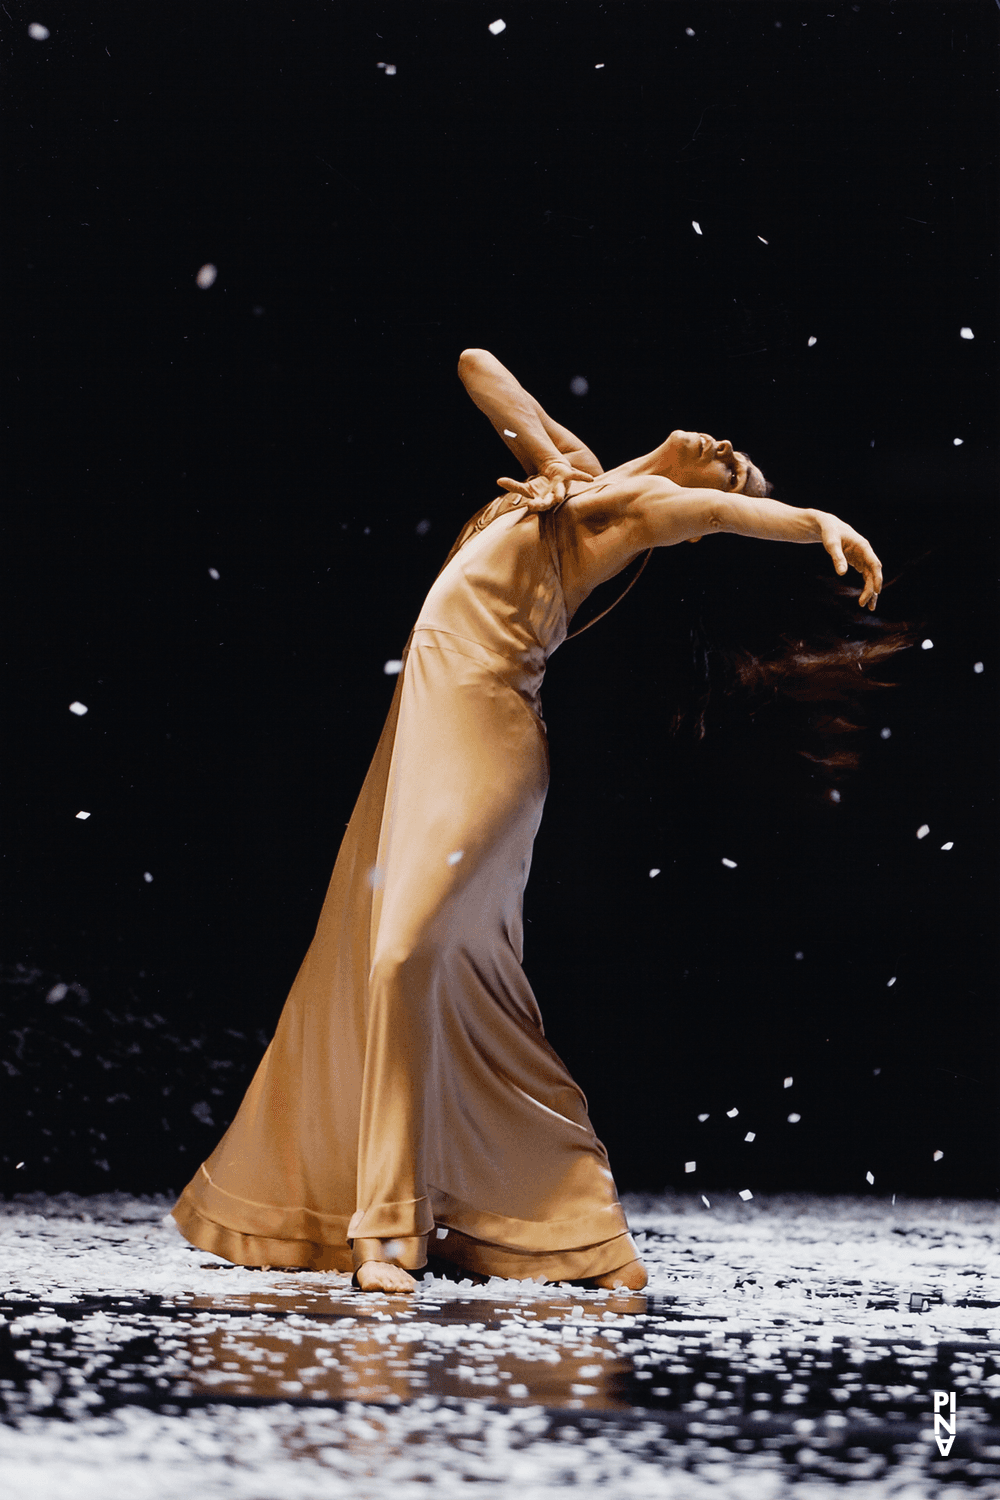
[
  {"x": 536, "y": 441},
  {"x": 659, "y": 513}
]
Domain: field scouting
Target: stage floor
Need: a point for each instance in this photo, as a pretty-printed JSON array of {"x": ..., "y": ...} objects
[{"x": 788, "y": 1344}]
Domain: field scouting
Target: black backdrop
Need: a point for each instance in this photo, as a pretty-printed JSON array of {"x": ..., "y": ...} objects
[{"x": 298, "y": 428}]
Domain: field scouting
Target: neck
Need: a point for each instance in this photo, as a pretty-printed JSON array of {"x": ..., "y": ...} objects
[{"x": 650, "y": 463}]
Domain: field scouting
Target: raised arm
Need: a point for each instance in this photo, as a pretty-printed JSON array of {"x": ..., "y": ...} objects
[
  {"x": 627, "y": 513},
  {"x": 541, "y": 446}
]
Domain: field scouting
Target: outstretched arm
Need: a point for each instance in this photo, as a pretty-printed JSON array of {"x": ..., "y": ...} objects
[
  {"x": 660, "y": 514},
  {"x": 541, "y": 446}
]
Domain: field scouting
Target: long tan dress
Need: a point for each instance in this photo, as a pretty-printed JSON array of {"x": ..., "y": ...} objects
[{"x": 409, "y": 1094}]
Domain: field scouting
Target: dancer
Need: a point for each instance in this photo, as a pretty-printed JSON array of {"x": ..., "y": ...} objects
[{"x": 409, "y": 1100}]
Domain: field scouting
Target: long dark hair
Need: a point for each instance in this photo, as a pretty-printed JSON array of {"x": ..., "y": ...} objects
[{"x": 820, "y": 679}]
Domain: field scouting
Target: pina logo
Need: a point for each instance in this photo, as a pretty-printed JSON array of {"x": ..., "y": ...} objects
[{"x": 944, "y": 1401}]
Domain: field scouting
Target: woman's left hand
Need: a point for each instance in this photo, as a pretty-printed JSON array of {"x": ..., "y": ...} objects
[
  {"x": 548, "y": 487},
  {"x": 845, "y": 545}
]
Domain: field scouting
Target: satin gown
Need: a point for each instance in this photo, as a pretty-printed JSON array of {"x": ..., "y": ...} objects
[{"x": 409, "y": 1100}]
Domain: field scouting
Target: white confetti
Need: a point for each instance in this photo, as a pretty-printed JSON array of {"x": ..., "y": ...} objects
[
  {"x": 705, "y": 1201},
  {"x": 938, "y": 1155},
  {"x": 38, "y": 34},
  {"x": 496, "y": 27},
  {"x": 751, "y": 1135},
  {"x": 598, "y": 65},
  {"x": 746, "y": 1195},
  {"x": 885, "y": 734},
  {"x": 422, "y": 527},
  {"x": 731, "y": 1114},
  {"x": 800, "y": 956},
  {"x": 966, "y": 333},
  {"x": 206, "y": 276},
  {"x": 56, "y": 993},
  {"x": 794, "y": 1119},
  {"x": 213, "y": 573},
  {"x": 579, "y": 385},
  {"x": 689, "y": 1166},
  {"x": 440, "y": 1233},
  {"x": 689, "y": 31},
  {"x": 923, "y": 830},
  {"x": 834, "y": 795},
  {"x": 147, "y": 877},
  {"x": 927, "y": 645},
  {"x": 788, "y": 1083},
  {"x": 891, "y": 982},
  {"x": 83, "y": 815},
  {"x": 811, "y": 340},
  {"x": 19, "y": 1166},
  {"x": 869, "y": 1179},
  {"x": 978, "y": 667},
  {"x": 653, "y": 874},
  {"x": 390, "y": 69},
  {"x": 702, "y": 1119},
  {"x": 696, "y": 226},
  {"x": 392, "y": 668},
  {"x": 517, "y": 1390},
  {"x": 78, "y": 708},
  {"x": 730, "y": 864},
  {"x": 762, "y": 239},
  {"x": 507, "y": 433},
  {"x": 376, "y": 877},
  {"x": 949, "y": 845},
  {"x": 455, "y": 856},
  {"x": 958, "y": 442}
]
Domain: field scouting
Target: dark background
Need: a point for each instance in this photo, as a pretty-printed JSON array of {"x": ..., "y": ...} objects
[{"x": 299, "y": 428}]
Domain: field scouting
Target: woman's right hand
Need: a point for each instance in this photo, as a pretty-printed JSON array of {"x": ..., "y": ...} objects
[
  {"x": 845, "y": 545},
  {"x": 549, "y": 486}
]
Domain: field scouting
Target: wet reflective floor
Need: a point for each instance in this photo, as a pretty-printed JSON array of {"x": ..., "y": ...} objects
[{"x": 653, "y": 1385}]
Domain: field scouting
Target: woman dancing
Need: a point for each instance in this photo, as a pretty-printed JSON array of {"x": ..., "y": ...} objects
[{"x": 409, "y": 1100}]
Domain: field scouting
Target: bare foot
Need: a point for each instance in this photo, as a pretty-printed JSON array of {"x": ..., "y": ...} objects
[
  {"x": 631, "y": 1277},
  {"x": 381, "y": 1276}
]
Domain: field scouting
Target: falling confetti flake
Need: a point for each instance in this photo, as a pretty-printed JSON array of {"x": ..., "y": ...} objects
[
  {"x": 869, "y": 1179},
  {"x": 751, "y": 1135},
  {"x": 938, "y": 1155},
  {"x": 40, "y": 34},
  {"x": 78, "y": 708},
  {"x": 147, "y": 877},
  {"x": 496, "y": 27},
  {"x": 702, "y": 1119},
  {"x": 800, "y": 956},
  {"x": 885, "y": 734},
  {"x": 440, "y": 1233},
  {"x": 390, "y": 69},
  {"x": 213, "y": 573},
  {"x": 746, "y": 1195},
  {"x": 966, "y": 333},
  {"x": 206, "y": 276},
  {"x": 83, "y": 815},
  {"x": 56, "y": 993},
  {"x": 689, "y": 31},
  {"x": 958, "y": 442},
  {"x": 689, "y": 1166},
  {"x": 455, "y": 856},
  {"x": 978, "y": 667},
  {"x": 653, "y": 874},
  {"x": 422, "y": 528},
  {"x": 731, "y": 1114},
  {"x": 598, "y": 65},
  {"x": 810, "y": 341},
  {"x": 923, "y": 830},
  {"x": 794, "y": 1119},
  {"x": 696, "y": 226},
  {"x": 507, "y": 433},
  {"x": 705, "y": 1201},
  {"x": 730, "y": 864},
  {"x": 19, "y": 1166},
  {"x": 376, "y": 877},
  {"x": 948, "y": 845},
  {"x": 834, "y": 795},
  {"x": 787, "y": 1083},
  {"x": 891, "y": 982},
  {"x": 392, "y": 668},
  {"x": 579, "y": 385},
  {"x": 927, "y": 645},
  {"x": 762, "y": 239}
]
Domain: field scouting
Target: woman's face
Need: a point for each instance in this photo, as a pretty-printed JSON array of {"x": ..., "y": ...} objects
[{"x": 697, "y": 461}]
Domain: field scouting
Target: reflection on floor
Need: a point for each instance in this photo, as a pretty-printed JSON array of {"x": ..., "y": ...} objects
[{"x": 753, "y": 1357}]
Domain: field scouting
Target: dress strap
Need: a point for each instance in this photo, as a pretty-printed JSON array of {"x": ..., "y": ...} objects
[{"x": 631, "y": 584}]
